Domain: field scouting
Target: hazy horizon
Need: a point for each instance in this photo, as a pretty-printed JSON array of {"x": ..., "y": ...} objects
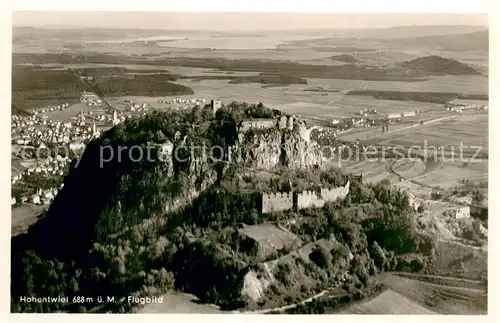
[{"x": 239, "y": 21}]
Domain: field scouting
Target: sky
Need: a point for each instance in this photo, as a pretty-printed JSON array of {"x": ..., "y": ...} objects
[{"x": 239, "y": 21}]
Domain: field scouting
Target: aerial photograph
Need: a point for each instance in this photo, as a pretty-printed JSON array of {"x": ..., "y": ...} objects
[{"x": 249, "y": 163}]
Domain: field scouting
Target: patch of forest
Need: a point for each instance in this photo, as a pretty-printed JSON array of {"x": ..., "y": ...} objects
[
  {"x": 141, "y": 85},
  {"x": 437, "y": 65}
]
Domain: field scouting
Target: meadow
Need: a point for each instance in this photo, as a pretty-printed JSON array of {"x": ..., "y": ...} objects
[
  {"x": 69, "y": 114},
  {"x": 295, "y": 99},
  {"x": 452, "y": 174},
  {"x": 438, "y": 298},
  {"x": 470, "y": 130},
  {"x": 388, "y": 303},
  {"x": 458, "y": 84},
  {"x": 372, "y": 171}
]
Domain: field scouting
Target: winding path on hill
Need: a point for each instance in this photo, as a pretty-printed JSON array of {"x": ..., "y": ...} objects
[{"x": 286, "y": 307}]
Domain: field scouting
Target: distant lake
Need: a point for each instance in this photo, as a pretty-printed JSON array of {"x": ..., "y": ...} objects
[
  {"x": 242, "y": 42},
  {"x": 131, "y": 40},
  {"x": 208, "y": 41}
]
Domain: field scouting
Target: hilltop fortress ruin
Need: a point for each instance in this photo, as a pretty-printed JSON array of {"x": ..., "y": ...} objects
[{"x": 282, "y": 201}]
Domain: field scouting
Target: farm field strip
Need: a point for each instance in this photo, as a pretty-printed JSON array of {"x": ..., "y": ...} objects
[
  {"x": 372, "y": 171},
  {"x": 458, "y": 84},
  {"x": 435, "y": 179},
  {"x": 70, "y": 113},
  {"x": 293, "y": 99},
  {"x": 439, "y": 298},
  {"x": 388, "y": 302},
  {"x": 444, "y": 280},
  {"x": 450, "y": 254},
  {"x": 470, "y": 130},
  {"x": 354, "y": 103}
]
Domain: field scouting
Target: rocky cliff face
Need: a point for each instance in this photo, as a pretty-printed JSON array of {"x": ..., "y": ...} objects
[
  {"x": 201, "y": 176},
  {"x": 298, "y": 153},
  {"x": 271, "y": 149}
]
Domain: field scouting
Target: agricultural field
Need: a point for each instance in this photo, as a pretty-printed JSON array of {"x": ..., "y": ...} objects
[
  {"x": 296, "y": 99},
  {"x": 445, "y": 174},
  {"x": 388, "y": 303},
  {"x": 452, "y": 173},
  {"x": 450, "y": 83},
  {"x": 470, "y": 101},
  {"x": 369, "y": 134},
  {"x": 356, "y": 103},
  {"x": 438, "y": 298},
  {"x": 372, "y": 171},
  {"x": 69, "y": 114},
  {"x": 470, "y": 130},
  {"x": 451, "y": 256}
]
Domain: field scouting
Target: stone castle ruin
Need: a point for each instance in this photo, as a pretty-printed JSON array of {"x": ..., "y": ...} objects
[
  {"x": 284, "y": 201},
  {"x": 284, "y": 122},
  {"x": 307, "y": 199},
  {"x": 276, "y": 202},
  {"x": 216, "y": 105},
  {"x": 246, "y": 125},
  {"x": 335, "y": 193}
]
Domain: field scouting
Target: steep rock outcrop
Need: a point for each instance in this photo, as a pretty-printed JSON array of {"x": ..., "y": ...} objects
[
  {"x": 298, "y": 153},
  {"x": 276, "y": 148}
]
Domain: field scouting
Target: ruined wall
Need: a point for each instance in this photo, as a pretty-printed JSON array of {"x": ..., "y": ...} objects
[
  {"x": 309, "y": 199},
  {"x": 282, "y": 122},
  {"x": 276, "y": 202},
  {"x": 256, "y": 124},
  {"x": 335, "y": 193},
  {"x": 462, "y": 212},
  {"x": 216, "y": 105}
]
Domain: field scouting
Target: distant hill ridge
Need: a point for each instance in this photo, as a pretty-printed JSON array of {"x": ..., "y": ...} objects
[
  {"x": 475, "y": 40},
  {"x": 437, "y": 65}
]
